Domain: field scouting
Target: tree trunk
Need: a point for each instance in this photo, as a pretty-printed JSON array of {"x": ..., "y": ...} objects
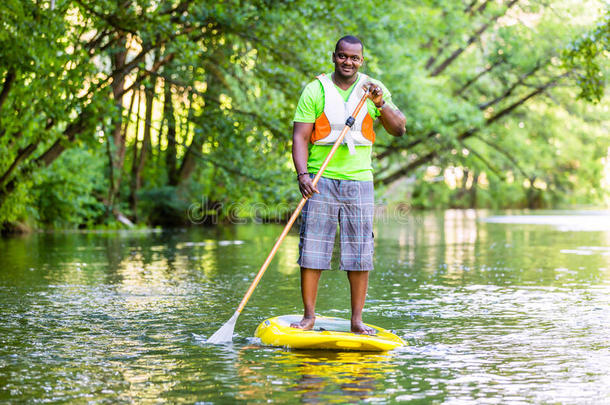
[
  {"x": 145, "y": 149},
  {"x": 473, "y": 190},
  {"x": 116, "y": 153},
  {"x": 134, "y": 163},
  {"x": 189, "y": 161},
  {"x": 193, "y": 153},
  {"x": 170, "y": 152}
]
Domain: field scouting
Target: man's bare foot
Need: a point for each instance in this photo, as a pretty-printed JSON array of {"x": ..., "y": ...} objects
[
  {"x": 361, "y": 328},
  {"x": 306, "y": 323}
]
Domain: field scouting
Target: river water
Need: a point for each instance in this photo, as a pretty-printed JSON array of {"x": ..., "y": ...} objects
[{"x": 496, "y": 309}]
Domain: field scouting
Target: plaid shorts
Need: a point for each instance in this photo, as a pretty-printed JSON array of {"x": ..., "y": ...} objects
[{"x": 349, "y": 204}]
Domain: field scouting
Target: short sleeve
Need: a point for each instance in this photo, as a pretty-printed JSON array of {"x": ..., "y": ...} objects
[{"x": 311, "y": 103}]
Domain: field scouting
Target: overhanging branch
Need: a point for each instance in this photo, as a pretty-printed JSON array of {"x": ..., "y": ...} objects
[
  {"x": 466, "y": 134},
  {"x": 451, "y": 58}
]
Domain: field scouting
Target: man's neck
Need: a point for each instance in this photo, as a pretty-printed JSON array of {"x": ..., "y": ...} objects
[{"x": 344, "y": 83}]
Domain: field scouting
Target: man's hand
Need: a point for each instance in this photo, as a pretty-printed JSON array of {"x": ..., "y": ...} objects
[
  {"x": 306, "y": 186},
  {"x": 392, "y": 119},
  {"x": 375, "y": 93}
]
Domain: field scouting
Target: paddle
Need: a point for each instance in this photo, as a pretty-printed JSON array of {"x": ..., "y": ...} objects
[{"x": 225, "y": 333}]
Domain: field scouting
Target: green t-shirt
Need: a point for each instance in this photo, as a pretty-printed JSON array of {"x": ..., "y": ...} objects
[{"x": 342, "y": 166}]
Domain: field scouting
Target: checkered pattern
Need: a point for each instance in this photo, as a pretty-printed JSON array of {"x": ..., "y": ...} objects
[{"x": 349, "y": 204}]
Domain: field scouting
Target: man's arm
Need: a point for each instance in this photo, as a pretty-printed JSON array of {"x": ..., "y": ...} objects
[
  {"x": 301, "y": 133},
  {"x": 392, "y": 119}
]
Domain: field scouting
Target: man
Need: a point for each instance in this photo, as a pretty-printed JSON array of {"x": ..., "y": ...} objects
[{"x": 344, "y": 193}]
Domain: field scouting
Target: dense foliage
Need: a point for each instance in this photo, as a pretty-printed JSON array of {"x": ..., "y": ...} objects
[{"x": 168, "y": 112}]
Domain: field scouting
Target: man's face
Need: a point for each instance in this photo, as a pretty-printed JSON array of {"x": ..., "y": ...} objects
[{"x": 347, "y": 59}]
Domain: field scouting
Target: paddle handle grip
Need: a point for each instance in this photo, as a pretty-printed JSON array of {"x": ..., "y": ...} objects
[{"x": 297, "y": 211}]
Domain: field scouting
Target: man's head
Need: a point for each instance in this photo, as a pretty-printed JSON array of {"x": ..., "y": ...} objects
[{"x": 348, "y": 56}]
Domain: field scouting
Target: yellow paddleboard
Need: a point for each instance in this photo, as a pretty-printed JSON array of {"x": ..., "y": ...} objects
[{"x": 327, "y": 333}]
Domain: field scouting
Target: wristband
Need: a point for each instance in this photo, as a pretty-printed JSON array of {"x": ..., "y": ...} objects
[{"x": 300, "y": 174}]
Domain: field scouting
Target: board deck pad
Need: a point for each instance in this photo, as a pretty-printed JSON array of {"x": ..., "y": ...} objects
[
  {"x": 322, "y": 323},
  {"x": 327, "y": 333}
]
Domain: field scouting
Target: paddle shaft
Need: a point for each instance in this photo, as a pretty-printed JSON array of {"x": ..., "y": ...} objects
[{"x": 297, "y": 211}]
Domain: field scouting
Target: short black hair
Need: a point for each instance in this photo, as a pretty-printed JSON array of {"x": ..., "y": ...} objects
[{"x": 350, "y": 39}]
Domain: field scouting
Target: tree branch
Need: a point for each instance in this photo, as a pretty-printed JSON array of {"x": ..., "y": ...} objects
[
  {"x": 517, "y": 103},
  {"x": 505, "y": 154},
  {"x": 22, "y": 154},
  {"x": 6, "y": 87},
  {"x": 473, "y": 38},
  {"x": 50, "y": 154},
  {"x": 481, "y": 8},
  {"x": 111, "y": 19},
  {"x": 510, "y": 90},
  {"x": 410, "y": 167},
  {"x": 144, "y": 73},
  {"x": 394, "y": 146},
  {"x": 479, "y": 75},
  {"x": 466, "y": 134},
  {"x": 470, "y": 6},
  {"x": 485, "y": 161},
  {"x": 432, "y": 59},
  {"x": 468, "y": 10}
]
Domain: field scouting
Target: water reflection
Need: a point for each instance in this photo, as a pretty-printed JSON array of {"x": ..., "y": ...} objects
[
  {"x": 562, "y": 220},
  {"x": 315, "y": 376},
  {"x": 351, "y": 376}
]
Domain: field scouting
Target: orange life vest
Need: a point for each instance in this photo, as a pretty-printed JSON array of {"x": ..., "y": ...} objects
[{"x": 329, "y": 125}]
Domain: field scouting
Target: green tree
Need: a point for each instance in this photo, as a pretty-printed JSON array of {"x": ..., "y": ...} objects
[{"x": 188, "y": 101}]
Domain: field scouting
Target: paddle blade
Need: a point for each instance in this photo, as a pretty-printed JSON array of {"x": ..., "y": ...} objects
[{"x": 225, "y": 333}]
